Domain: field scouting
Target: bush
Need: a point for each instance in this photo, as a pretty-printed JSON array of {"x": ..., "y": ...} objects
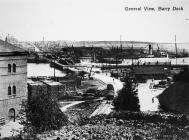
[
  {"x": 127, "y": 97},
  {"x": 43, "y": 114}
]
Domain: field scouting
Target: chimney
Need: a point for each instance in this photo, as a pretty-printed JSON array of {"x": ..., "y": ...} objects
[{"x": 5, "y": 41}]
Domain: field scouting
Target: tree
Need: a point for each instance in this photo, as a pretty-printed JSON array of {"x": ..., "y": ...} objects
[
  {"x": 42, "y": 114},
  {"x": 127, "y": 98}
]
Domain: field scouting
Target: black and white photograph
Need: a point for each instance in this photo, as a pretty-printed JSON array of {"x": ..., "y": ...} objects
[{"x": 94, "y": 70}]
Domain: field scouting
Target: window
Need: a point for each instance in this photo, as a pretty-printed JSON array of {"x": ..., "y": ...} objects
[
  {"x": 9, "y": 90},
  {"x": 9, "y": 67},
  {"x": 14, "y": 67},
  {"x": 14, "y": 90}
]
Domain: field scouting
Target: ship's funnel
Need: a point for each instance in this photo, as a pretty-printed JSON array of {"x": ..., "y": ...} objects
[{"x": 150, "y": 49}]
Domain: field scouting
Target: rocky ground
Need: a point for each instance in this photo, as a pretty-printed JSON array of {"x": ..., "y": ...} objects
[
  {"x": 119, "y": 125},
  {"x": 125, "y": 125}
]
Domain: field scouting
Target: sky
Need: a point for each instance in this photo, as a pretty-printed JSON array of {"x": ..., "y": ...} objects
[{"x": 93, "y": 20}]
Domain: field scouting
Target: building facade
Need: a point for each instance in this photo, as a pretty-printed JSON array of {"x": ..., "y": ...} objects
[{"x": 13, "y": 79}]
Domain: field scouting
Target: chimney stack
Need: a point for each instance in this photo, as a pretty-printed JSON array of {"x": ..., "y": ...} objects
[{"x": 150, "y": 49}]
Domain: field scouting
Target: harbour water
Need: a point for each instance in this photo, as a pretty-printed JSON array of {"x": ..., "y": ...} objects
[{"x": 42, "y": 70}]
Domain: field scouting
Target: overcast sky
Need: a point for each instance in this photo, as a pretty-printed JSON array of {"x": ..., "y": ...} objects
[{"x": 93, "y": 20}]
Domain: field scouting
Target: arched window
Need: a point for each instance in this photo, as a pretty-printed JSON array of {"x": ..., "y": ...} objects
[
  {"x": 9, "y": 67},
  {"x": 14, "y": 67},
  {"x": 9, "y": 90},
  {"x": 14, "y": 90}
]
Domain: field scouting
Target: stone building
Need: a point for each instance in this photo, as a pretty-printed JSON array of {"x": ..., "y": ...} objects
[{"x": 13, "y": 79}]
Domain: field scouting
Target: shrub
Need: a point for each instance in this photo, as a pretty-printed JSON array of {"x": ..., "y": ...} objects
[{"x": 42, "y": 114}]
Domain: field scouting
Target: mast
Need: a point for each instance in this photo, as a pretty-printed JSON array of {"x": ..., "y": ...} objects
[
  {"x": 117, "y": 61},
  {"x": 54, "y": 66},
  {"x": 176, "y": 48},
  {"x": 132, "y": 55},
  {"x": 121, "y": 42},
  {"x": 121, "y": 46},
  {"x": 43, "y": 40},
  {"x": 54, "y": 69},
  {"x": 94, "y": 55}
]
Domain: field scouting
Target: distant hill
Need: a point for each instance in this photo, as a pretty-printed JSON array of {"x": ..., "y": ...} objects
[
  {"x": 109, "y": 44},
  {"x": 49, "y": 45}
]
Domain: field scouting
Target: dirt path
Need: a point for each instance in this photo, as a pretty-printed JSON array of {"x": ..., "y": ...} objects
[
  {"x": 117, "y": 84},
  {"x": 147, "y": 97}
]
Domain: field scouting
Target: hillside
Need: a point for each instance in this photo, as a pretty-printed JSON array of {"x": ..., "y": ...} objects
[
  {"x": 108, "y": 44},
  {"x": 176, "y": 97},
  {"x": 37, "y": 46},
  {"x": 32, "y": 45}
]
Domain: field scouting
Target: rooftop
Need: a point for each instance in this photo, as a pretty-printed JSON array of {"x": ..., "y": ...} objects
[
  {"x": 33, "y": 83},
  {"x": 7, "y": 49}
]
